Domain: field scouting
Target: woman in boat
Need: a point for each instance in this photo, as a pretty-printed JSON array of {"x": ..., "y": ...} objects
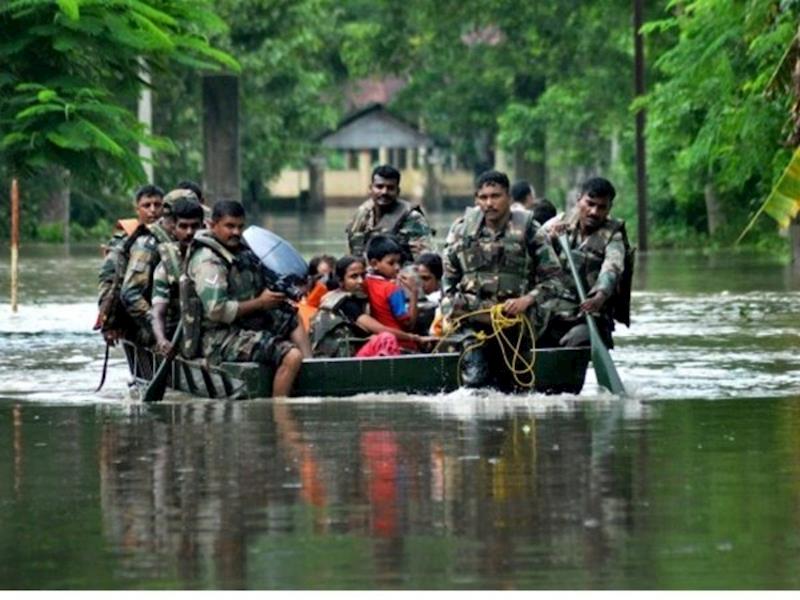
[{"x": 343, "y": 324}]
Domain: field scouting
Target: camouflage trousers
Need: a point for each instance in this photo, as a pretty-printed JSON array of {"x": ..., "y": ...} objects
[
  {"x": 574, "y": 332},
  {"x": 266, "y": 346},
  {"x": 483, "y": 365}
]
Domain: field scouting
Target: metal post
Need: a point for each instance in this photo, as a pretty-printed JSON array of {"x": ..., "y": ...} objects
[
  {"x": 146, "y": 118},
  {"x": 641, "y": 156},
  {"x": 14, "y": 243}
]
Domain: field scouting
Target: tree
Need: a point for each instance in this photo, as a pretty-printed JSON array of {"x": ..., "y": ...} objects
[
  {"x": 72, "y": 75},
  {"x": 288, "y": 53},
  {"x": 714, "y": 134}
]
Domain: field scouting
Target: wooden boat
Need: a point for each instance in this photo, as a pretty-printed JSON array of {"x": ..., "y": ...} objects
[{"x": 557, "y": 370}]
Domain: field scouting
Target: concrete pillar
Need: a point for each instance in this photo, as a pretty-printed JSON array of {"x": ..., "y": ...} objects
[
  {"x": 433, "y": 189},
  {"x": 221, "y": 172},
  {"x": 364, "y": 171},
  {"x": 383, "y": 155},
  {"x": 316, "y": 183}
]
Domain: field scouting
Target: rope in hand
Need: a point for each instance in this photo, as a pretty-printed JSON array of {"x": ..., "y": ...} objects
[{"x": 523, "y": 374}]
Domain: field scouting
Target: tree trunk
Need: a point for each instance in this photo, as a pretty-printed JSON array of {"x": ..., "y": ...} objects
[
  {"x": 221, "y": 138},
  {"x": 66, "y": 204},
  {"x": 794, "y": 240},
  {"x": 716, "y": 218}
]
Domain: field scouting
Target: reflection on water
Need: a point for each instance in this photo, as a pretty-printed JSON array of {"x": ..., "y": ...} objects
[
  {"x": 691, "y": 483},
  {"x": 363, "y": 495}
]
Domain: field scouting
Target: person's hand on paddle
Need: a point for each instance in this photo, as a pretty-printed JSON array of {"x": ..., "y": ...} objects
[
  {"x": 593, "y": 304},
  {"x": 556, "y": 229},
  {"x": 111, "y": 337},
  {"x": 164, "y": 347},
  {"x": 517, "y": 306},
  {"x": 269, "y": 299}
]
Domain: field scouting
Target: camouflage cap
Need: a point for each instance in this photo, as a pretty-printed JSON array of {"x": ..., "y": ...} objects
[{"x": 177, "y": 194}]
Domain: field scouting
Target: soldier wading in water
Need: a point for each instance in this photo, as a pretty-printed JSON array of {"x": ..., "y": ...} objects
[{"x": 229, "y": 312}]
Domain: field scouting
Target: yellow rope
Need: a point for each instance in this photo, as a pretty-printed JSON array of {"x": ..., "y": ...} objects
[{"x": 523, "y": 375}]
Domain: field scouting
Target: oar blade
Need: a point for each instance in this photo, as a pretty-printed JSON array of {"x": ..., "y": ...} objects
[
  {"x": 154, "y": 392},
  {"x": 605, "y": 371},
  {"x": 156, "y": 388}
]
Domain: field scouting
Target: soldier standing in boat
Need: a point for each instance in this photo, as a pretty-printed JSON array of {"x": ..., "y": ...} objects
[
  {"x": 113, "y": 320},
  {"x": 604, "y": 260},
  {"x": 137, "y": 282},
  {"x": 228, "y": 312},
  {"x": 494, "y": 255},
  {"x": 384, "y": 213}
]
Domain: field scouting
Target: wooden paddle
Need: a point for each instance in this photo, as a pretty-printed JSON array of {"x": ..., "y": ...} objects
[
  {"x": 154, "y": 391},
  {"x": 604, "y": 368}
]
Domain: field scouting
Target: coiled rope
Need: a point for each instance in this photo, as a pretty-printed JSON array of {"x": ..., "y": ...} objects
[{"x": 520, "y": 367}]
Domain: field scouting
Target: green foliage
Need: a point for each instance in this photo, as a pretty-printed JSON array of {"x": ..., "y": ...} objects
[
  {"x": 709, "y": 121},
  {"x": 72, "y": 75},
  {"x": 288, "y": 54}
]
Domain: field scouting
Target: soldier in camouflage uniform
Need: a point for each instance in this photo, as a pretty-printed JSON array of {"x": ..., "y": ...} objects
[
  {"x": 190, "y": 190},
  {"x": 239, "y": 317},
  {"x": 166, "y": 312},
  {"x": 604, "y": 260},
  {"x": 495, "y": 255},
  {"x": 385, "y": 214},
  {"x": 149, "y": 207},
  {"x": 137, "y": 282}
]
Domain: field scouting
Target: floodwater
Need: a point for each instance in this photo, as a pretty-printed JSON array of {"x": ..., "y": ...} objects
[{"x": 693, "y": 482}]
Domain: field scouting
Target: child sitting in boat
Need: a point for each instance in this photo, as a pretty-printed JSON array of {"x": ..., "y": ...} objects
[
  {"x": 344, "y": 325},
  {"x": 429, "y": 271}
]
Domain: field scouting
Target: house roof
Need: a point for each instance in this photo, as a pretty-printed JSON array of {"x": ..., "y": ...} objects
[{"x": 374, "y": 127}]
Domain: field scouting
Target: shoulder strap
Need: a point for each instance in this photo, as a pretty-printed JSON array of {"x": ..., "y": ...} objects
[
  {"x": 160, "y": 233},
  {"x": 171, "y": 258},
  {"x": 333, "y": 299},
  {"x": 473, "y": 218},
  {"x": 138, "y": 232},
  {"x": 521, "y": 218},
  {"x": 209, "y": 241}
]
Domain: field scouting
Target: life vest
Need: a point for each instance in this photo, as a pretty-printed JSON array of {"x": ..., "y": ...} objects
[
  {"x": 359, "y": 233},
  {"x": 495, "y": 269},
  {"x": 243, "y": 263},
  {"x": 128, "y": 225},
  {"x": 191, "y": 305},
  {"x": 331, "y": 332}
]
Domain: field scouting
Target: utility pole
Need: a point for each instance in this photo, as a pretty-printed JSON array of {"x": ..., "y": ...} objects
[
  {"x": 641, "y": 155},
  {"x": 14, "y": 243}
]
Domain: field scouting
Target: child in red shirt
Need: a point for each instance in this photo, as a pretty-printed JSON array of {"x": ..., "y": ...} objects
[{"x": 388, "y": 302}]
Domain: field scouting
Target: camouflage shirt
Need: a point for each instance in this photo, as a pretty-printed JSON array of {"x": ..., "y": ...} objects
[
  {"x": 221, "y": 285},
  {"x": 165, "y": 282},
  {"x": 405, "y": 221},
  {"x": 483, "y": 267},
  {"x": 136, "y": 290},
  {"x": 108, "y": 268},
  {"x": 599, "y": 258}
]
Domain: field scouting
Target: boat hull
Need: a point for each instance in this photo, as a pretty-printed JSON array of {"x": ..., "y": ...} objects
[{"x": 557, "y": 371}]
